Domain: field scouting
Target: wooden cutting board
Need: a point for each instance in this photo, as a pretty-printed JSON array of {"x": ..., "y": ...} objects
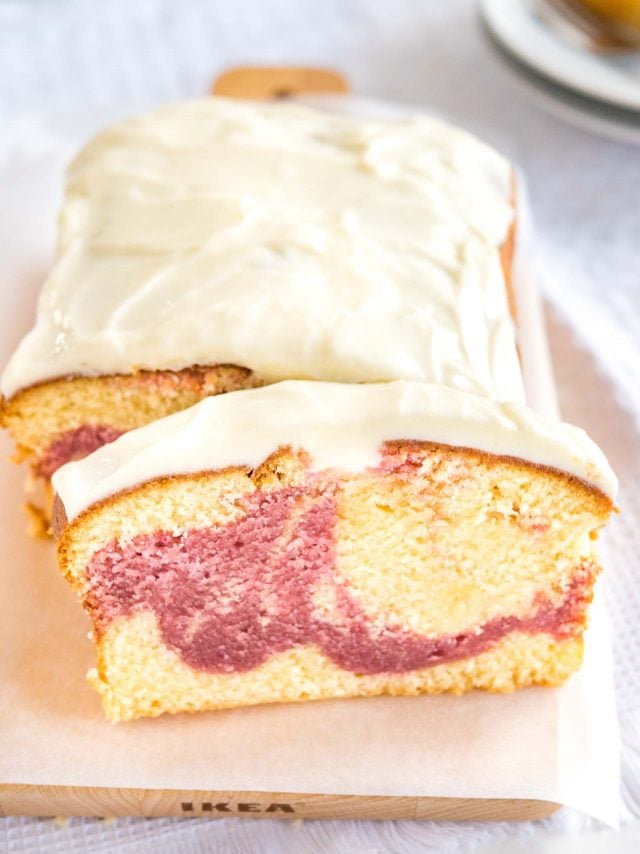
[{"x": 80, "y": 801}]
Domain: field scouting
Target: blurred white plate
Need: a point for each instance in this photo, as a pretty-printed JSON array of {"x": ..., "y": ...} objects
[
  {"x": 613, "y": 79},
  {"x": 568, "y": 104}
]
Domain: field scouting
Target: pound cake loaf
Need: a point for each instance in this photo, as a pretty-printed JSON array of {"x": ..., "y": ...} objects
[
  {"x": 219, "y": 245},
  {"x": 309, "y": 540}
]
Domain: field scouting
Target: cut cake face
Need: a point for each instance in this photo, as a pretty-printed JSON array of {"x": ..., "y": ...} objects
[{"x": 434, "y": 568}]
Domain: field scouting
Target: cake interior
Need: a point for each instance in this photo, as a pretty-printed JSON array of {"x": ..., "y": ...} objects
[
  {"x": 66, "y": 419},
  {"x": 439, "y": 569}
]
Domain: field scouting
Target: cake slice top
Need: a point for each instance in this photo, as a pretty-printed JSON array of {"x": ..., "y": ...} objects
[
  {"x": 339, "y": 426},
  {"x": 291, "y": 241}
]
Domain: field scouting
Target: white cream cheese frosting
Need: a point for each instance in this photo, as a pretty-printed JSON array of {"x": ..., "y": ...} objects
[
  {"x": 339, "y": 425},
  {"x": 291, "y": 241}
]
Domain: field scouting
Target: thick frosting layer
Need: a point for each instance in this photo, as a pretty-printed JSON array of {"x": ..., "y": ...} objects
[
  {"x": 339, "y": 425},
  {"x": 291, "y": 241}
]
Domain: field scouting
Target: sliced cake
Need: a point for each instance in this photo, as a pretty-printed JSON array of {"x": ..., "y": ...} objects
[{"x": 308, "y": 540}]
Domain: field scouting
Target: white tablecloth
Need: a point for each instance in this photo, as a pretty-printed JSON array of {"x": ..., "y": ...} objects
[{"x": 78, "y": 55}]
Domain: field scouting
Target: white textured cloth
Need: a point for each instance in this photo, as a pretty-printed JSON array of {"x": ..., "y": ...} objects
[{"x": 77, "y": 56}]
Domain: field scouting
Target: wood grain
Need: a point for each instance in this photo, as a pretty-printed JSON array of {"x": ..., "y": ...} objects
[{"x": 99, "y": 802}]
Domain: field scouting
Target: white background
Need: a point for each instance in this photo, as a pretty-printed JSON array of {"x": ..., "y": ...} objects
[{"x": 124, "y": 55}]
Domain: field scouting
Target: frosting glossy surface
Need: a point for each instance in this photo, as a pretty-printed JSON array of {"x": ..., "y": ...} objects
[
  {"x": 339, "y": 425},
  {"x": 294, "y": 242}
]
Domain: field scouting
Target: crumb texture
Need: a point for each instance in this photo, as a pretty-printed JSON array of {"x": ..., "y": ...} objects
[
  {"x": 374, "y": 582},
  {"x": 228, "y": 598},
  {"x": 137, "y": 676},
  {"x": 74, "y": 445},
  {"x": 66, "y": 419}
]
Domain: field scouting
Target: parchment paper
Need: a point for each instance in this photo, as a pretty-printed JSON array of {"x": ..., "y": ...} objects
[{"x": 552, "y": 744}]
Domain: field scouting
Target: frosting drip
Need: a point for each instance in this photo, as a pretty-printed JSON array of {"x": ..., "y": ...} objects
[{"x": 294, "y": 242}]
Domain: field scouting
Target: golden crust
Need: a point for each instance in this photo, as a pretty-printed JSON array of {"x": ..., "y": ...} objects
[
  {"x": 284, "y": 467},
  {"x": 489, "y": 459}
]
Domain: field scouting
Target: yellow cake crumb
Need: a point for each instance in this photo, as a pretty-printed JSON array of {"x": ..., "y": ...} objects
[{"x": 466, "y": 539}]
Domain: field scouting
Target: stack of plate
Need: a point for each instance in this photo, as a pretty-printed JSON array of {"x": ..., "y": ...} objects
[{"x": 600, "y": 92}]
